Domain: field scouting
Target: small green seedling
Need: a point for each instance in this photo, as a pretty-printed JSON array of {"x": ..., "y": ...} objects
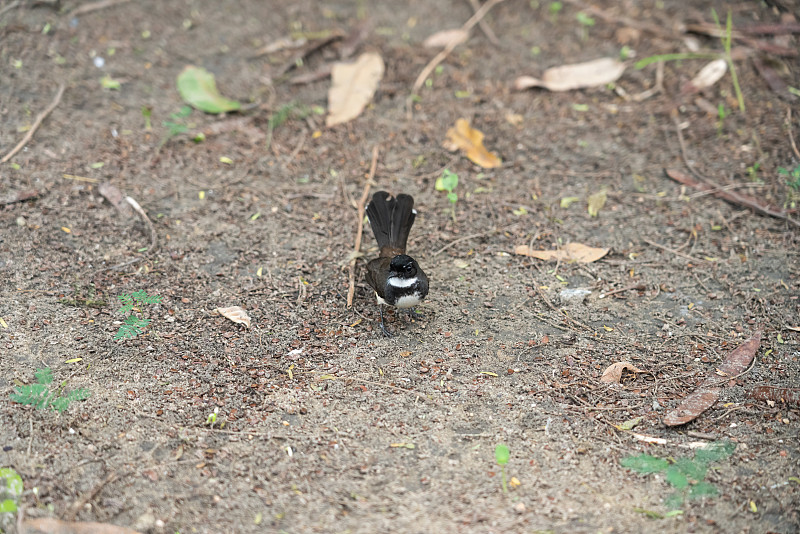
[
  {"x": 586, "y": 22},
  {"x": 287, "y": 112},
  {"x": 502, "y": 455},
  {"x": 684, "y": 474},
  {"x": 721, "y": 114},
  {"x": 10, "y": 492},
  {"x": 555, "y": 8},
  {"x": 794, "y": 176},
  {"x": 40, "y": 396},
  {"x": 133, "y": 324},
  {"x": 176, "y": 125},
  {"x": 448, "y": 181},
  {"x": 752, "y": 172},
  {"x": 726, "y": 38}
]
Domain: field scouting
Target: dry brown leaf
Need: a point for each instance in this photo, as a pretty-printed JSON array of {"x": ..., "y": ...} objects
[
  {"x": 49, "y": 525},
  {"x": 578, "y": 76},
  {"x": 739, "y": 359},
  {"x": 613, "y": 372},
  {"x": 235, "y": 314},
  {"x": 353, "y": 86},
  {"x": 735, "y": 363},
  {"x": 446, "y": 37},
  {"x": 470, "y": 141},
  {"x": 571, "y": 252},
  {"x": 692, "y": 406},
  {"x": 708, "y": 76}
]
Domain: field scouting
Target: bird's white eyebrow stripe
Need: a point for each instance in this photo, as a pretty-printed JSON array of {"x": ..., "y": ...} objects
[{"x": 394, "y": 281}]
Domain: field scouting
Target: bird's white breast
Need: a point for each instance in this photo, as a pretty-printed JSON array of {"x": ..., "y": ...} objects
[
  {"x": 408, "y": 301},
  {"x": 394, "y": 281}
]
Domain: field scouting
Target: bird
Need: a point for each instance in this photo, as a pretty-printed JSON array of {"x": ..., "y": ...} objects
[{"x": 396, "y": 277}]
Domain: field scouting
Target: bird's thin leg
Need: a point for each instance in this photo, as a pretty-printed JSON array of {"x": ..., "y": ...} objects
[{"x": 383, "y": 326}]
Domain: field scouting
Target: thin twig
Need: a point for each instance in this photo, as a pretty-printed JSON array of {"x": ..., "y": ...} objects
[
  {"x": 485, "y": 28},
  {"x": 76, "y": 507},
  {"x": 43, "y": 115},
  {"x": 672, "y": 250},
  {"x": 791, "y": 135},
  {"x": 351, "y": 290},
  {"x": 9, "y": 7},
  {"x": 730, "y": 196},
  {"x": 433, "y": 63},
  {"x": 143, "y": 215},
  {"x": 682, "y": 144}
]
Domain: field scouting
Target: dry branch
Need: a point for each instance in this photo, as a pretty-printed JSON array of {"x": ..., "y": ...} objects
[
  {"x": 351, "y": 290},
  {"x": 42, "y": 116}
]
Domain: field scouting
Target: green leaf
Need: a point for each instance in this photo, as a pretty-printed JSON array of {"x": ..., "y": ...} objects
[
  {"x": 452, "y": 197},
  {"x": 676, "y": 478},
  {"x": 584, "y": 19},
  {"x": 132, "y": 327},
  {"x": 44, "y": 376},
  {"x": 694, "y": 470},
  {"x": 714, "y": 452},
  {"x": 702, "y": 489},
  {"x": 107, "y": 82},
  {"x": 501, "y": 454},
  {"x": 13, "y": 482},
  {"x": 8, "y": 507},
  {"x": 199, "y": 89},
  {"x": 448, "y": 181},
  {"x": 674, "y": 500},
  {"x": 644, "y": 463}
]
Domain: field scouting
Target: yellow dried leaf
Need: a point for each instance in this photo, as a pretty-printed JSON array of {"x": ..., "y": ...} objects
[
  {"x": 571, "y": 252},
  {"x": 596, "y": 203},
  {"x": 514, "y": 482},
  {"x": 470, "y": 141},
  {"x": 235, "y": 314}
]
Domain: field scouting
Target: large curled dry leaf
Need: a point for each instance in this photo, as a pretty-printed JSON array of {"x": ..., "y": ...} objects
[
  {"x": 353, "y": 86},
  {"x": 446, "y": 37},
  {"x": 235, "y": 314},
  {"x": 735, "y": 363},
  {"x": 470, "y": 141},
  {"x": 571, "y": 252},
  {"x": 578, "y": 76},
  {"x": 199, "y": 89},
  {"x": 613, "y": 373}
]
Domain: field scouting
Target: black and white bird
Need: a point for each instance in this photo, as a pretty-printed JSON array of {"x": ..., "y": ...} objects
[{"x": 396, "y": 277}]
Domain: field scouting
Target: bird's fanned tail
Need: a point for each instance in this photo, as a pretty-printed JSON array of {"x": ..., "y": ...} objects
[{"x": 391, "y": 220}]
